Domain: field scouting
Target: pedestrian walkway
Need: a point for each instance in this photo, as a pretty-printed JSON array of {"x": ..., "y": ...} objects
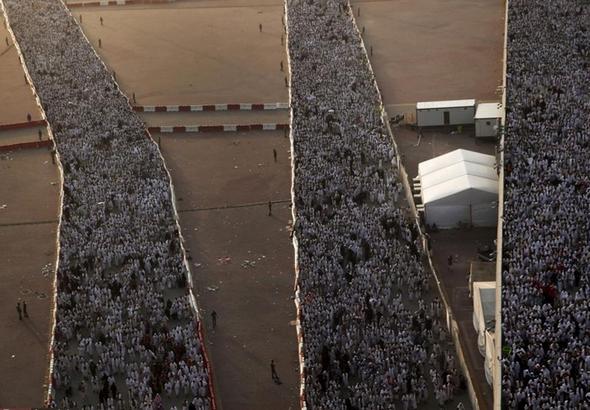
[{"x": 242, "y": 258}]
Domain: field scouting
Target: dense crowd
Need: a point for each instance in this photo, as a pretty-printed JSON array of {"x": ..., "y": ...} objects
[
  {"x": 546, "y": 260},
  {"x": 126, "y": 334},
  {"x": 373, "y": 335}
]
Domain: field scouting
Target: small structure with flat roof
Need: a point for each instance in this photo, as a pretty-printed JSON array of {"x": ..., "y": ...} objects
[
  {"x": 438, "y": 113},
  {"x": 487, "y": 119}
]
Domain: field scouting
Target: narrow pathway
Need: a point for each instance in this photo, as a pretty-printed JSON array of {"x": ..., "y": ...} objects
[{"x": 242, "y": 259}]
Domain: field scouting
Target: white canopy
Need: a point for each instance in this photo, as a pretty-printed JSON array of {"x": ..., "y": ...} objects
[{"x": 460, "y": 186}]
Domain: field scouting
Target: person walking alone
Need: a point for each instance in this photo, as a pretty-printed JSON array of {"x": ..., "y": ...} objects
[
  {"x": 214, "y": 319},
  {"x": 18, "y": 309},
  {"x": 273, "y": 373}
]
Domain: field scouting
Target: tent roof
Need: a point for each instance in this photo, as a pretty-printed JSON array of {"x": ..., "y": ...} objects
[{"x": 458, "y": 171}]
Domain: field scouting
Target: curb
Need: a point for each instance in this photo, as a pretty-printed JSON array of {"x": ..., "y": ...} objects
[
  {"x": 26, "y": 145},
  {"x": 115, "y": 3},
  {"x": 219, "y": 128},
  {"x": 211, "y": 107},
  {"x": 23, "y": 125}
]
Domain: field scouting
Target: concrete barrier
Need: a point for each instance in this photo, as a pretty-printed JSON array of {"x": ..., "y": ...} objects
[
  {"x": 212, "y": 107},
  {"x": 497, "y": 360},
  {"x": 23, "y": 125},
  {"x": 207, "y": 363},
  {"x": 105, "y": 3},
  {"x": 26, "y": 145},
  {"x": 297, "y": 301}
]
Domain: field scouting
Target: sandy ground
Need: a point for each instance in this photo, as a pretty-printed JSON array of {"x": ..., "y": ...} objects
[
  {"x": 215, "y": 118},
  {"x": 28, "y": 186},
  {"x": 436, "y": 141},
  {"x": 228, "y": 169},
  {"x": 252, "y": 291},
  {"x": 428, "y": 50},
  {"x": 16, "y": 97},
  {"x": 28, "y": 231},
  {"x": 192, "y": 52}
]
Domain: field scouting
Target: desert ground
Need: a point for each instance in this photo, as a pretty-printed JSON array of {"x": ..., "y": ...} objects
[
  {"x": 15, "y": 94},
  {"x": 242, "y": 259},
  {"x": 192, "y": 52},
  {"x": 29, "y": 201},
  {"x": 429, "y": 50}
]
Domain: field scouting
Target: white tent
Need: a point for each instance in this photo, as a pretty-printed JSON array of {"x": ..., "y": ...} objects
[
  {"x": 459, "y": 187},
  {"x": 484, "y": 311}
]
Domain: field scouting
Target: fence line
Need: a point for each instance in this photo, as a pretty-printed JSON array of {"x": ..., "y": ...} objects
[
  {"x": 105, "y": 3},
  {"x": 497, "y": 361},
  {"x": 212, "y": 107},
  {"x": 218, "y": 128},
  {"x": 26, "y": 145}
]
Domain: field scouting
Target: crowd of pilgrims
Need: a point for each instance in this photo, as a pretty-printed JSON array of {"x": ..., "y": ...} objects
[
  {"x": 125, "y": 334},
  {"x": 373, "y": 335},
  {"x": 546, "y": 261}
]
